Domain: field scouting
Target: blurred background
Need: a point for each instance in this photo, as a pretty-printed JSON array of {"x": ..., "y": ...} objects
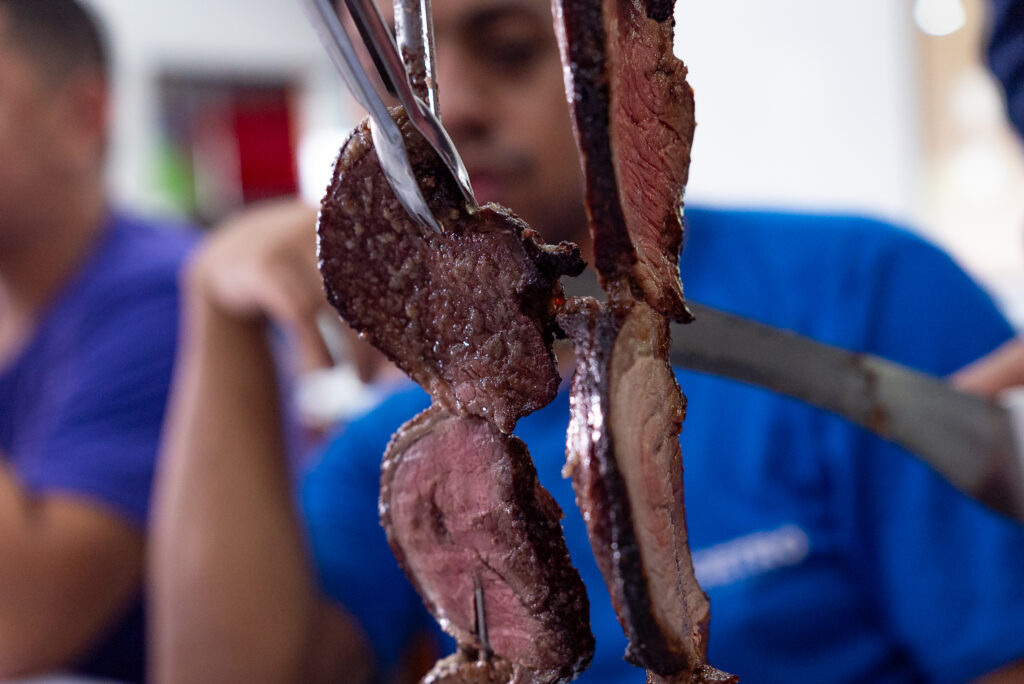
[{"x": 877, "y": 107}]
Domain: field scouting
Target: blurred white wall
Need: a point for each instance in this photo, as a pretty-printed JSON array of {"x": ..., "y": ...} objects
[
  {"x": 268, "y": 37},
  {"x": 803, "y": 103}
]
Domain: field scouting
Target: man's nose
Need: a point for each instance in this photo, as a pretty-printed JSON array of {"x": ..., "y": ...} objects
[{"x": 465, "y": 96}]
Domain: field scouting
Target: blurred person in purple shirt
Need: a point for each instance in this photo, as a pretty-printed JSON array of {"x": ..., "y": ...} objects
[{"x": 88, "y": 321}]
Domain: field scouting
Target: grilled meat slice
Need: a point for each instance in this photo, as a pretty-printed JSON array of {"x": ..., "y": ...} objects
[
  {"x": 633, "y": 115},
  {"x": 624, "y": 459},
  {"x": 467, "y": 313},
  {"x": 460, "y": 669},
  {"x": 462, "y": 507},
  {"x": 705, "y": 674}
]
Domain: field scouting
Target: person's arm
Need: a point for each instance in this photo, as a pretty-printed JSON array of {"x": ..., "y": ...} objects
[
  {"x": 67, "y": 568},
  {"x": 74, "y": 489},
  {"x": 233, "y": 593}
]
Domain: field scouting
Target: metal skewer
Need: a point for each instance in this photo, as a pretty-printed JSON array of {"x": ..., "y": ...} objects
[
  {"x": 381, "y": 43},
  {"x": 481, "y": 619},
  {"x": 414, "y": 29},
  {"x": 387, "y": 138}
]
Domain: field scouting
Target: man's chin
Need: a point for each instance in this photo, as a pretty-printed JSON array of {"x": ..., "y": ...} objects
[{"x": 489, "y": 190}]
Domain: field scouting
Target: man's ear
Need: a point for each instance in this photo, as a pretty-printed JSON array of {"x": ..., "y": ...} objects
[{"x": 85, "y": 111}]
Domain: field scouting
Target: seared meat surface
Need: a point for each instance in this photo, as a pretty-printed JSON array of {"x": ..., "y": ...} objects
[
  {"x": 633, "y": 116},
  {"x": 467, "y": 313},
  {"x": 624, "y": 459},
  {"x": 705, "y": 674},
  {"x": 462, "y": 509},
  {"x": 461, "y": 669},
  {"x": 634, "y": 121}
]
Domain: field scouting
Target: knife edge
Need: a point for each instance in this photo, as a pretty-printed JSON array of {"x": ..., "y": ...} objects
[{"x": 966, "y": 439}]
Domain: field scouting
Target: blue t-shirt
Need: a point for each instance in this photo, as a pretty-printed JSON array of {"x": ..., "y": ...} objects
[
  {"x": 82, "y": 403},
  {"x": 828, "y": 555}
]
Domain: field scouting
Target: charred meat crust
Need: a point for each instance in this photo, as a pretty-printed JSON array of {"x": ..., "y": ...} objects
[
  {"x": 705, "y": 674},
  {"x": 467, "y": 314},
  {"x": 640, "y": 541},
  {"x": 660, "y": 10},
  {"x": 633, "y": 117},
  {"x": 601, "y": 489},
  {"x": 582, "y": 38},
  {"x": 461, "y": 503}
]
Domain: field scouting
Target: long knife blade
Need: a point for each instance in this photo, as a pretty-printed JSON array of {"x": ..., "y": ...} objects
[{"x": 967, "y": 440}]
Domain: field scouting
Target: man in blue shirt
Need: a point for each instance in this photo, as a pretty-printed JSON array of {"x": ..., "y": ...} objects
[
  {"x": 828, "y": 555},
  {"x": 88, "y": 314}
]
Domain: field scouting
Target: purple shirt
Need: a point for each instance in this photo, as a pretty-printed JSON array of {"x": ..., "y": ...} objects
[{"x": 82, "y": 403}]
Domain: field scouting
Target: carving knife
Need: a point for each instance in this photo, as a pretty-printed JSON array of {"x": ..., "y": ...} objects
[{"x": 971, "y": 442}]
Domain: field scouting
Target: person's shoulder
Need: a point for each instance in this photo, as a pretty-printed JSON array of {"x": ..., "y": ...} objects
[
  {"x": 130, "y": 282},
  {"x": 372, "y": 431},
  {"x": 801, "y": 232},
  {"x": 138, "y": 259},
  {"x": 351, "y": 456},
  {"x": 835, "y": 277},
  {"x": 790, "y": 250},
  {"x": 140, "y": 245}
]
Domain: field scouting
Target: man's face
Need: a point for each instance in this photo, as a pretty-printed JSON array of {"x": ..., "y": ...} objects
[
  {"x": 30, "y": 118},
  {"x": 503, "y": 103}
]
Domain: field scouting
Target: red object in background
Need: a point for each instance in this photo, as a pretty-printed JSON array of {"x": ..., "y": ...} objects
[
  {"x": 228, "y": 141},
  {"x": 266, "y": 155}
]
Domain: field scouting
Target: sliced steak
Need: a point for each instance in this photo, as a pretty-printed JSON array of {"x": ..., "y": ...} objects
[
  {"x": 461, "y": 669},
  {"x": 467, "y": 313},
  {"x": 705, "y": 674},
  {"x": 624, "y": 459},
  {"x": 462, "y": 508},
  {"x": 633, "y": 115}
]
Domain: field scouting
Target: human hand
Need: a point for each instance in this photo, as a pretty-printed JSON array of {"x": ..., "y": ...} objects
[
  {"x": 994, "y": 373},
  {"x": 261, "y": 264}
]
